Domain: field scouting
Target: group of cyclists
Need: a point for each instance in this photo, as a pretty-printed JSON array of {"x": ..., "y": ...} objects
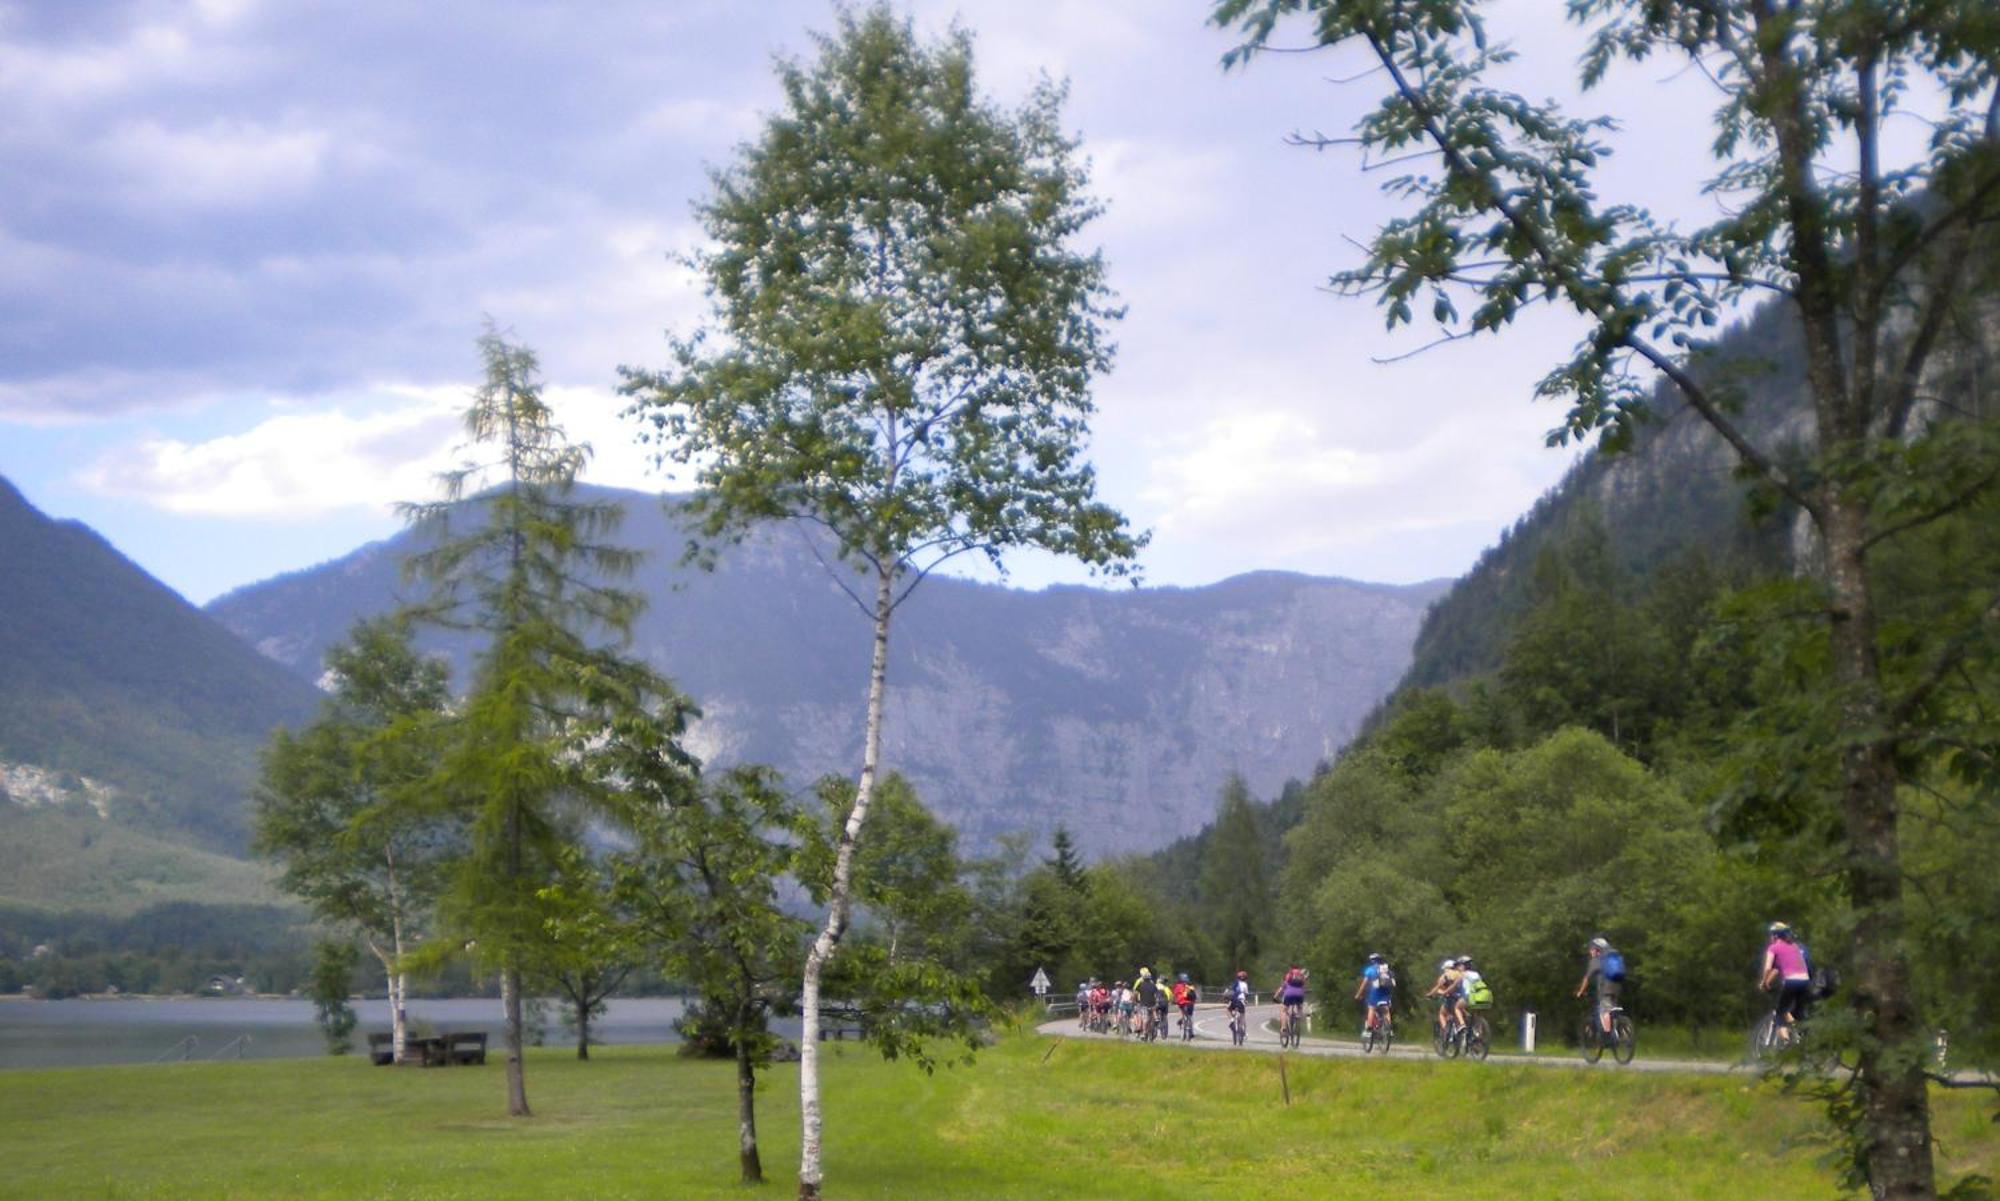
[
  {"x": 1139, "y": 1008},
  {"x": 1460, "y": 991}
]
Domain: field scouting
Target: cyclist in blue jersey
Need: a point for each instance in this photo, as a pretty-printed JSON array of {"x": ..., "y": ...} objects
[{"x": 1375, "y": 991}]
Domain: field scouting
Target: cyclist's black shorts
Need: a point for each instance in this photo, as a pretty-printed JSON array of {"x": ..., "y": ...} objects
[
  {"x": 1236, "y": 1004},
  {"x": 1792, "y": 998}
]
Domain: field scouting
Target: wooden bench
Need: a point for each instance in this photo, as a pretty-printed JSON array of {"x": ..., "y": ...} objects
[
  {"x": 382, "y": 1048},
  {"x": 466, "y": 1047}
]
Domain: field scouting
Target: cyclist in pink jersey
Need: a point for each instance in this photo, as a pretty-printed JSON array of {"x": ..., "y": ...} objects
[{"x": 1785, "y": 967}]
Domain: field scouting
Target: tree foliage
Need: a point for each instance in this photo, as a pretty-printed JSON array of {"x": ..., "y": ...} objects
[
  {"x": 901, "y": 347},
  {"x": 1873, "y": 260},
  {"x": 344, "y": 805}
]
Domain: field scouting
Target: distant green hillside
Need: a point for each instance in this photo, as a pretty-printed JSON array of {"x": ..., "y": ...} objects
[
  {"x": 64, "y": 859},
  {"x": 107, "y": 673}
]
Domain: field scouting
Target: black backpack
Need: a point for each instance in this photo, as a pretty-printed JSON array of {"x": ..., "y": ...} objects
[{"x": 1824, "y": 979}]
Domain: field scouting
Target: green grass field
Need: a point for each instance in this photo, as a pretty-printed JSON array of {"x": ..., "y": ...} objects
[{"x": 1094, "y": 1120}]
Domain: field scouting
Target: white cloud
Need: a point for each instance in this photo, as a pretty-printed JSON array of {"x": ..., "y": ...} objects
[
  {"x": 1277, "y": 489},
  {"x": 222, "y": 164},
  {"x": 305, "y": 462},
  {"x": 1157, "y": 186},
  {"x": 293, "y": 466}
]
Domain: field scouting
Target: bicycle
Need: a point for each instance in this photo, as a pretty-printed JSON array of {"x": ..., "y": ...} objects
[
  {"x": 1187, "y": 1024},
  {"x": 1445, "y": 1035},
  {"x": 1766, "y": 1040},
  {"x": 1289, "y": 1028},
  {"x": 1623, "y": 1040},
  {"x": 1237, "y": 1032},
  {"x": 1378, "y": 1035}
]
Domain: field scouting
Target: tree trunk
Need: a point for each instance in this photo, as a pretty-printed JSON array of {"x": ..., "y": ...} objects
[
  {"x": 399, "y": 982},
  {"x": 583, "y": 1029},
  {"x": 510, "y": 1004},
  {"x": 399, "y": 1018},
  {"x": 830, "y": 934},
  {"x": 393, "y": 982},
  {"x": 746, "y": 1104},
  {"x": 1895, "y": 1099}
]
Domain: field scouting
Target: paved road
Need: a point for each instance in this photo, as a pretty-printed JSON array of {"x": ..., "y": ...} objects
[{"x": 1211, "y": 1025}]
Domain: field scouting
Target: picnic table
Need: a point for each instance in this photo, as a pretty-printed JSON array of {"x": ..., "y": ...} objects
[{"x": 431, "y": 1050}]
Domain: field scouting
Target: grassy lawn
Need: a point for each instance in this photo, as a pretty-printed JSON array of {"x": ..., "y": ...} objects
[{"x": 1093, "y": 1120}]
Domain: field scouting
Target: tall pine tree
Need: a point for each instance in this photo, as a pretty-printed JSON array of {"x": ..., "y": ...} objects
[{"x": 525, "y": 565}]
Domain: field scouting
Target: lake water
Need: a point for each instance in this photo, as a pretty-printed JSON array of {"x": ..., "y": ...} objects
[{"x": 74, "y": 1032}]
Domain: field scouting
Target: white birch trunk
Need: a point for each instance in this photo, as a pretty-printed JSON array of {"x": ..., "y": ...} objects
[
  {"x": 830, "y": 934},
  {"x": 399, "y": 980},
  {"x": 393, "y": 981}
]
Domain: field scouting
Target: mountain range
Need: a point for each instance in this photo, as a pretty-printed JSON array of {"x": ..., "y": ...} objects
[{"x": 1119, "y": 713}]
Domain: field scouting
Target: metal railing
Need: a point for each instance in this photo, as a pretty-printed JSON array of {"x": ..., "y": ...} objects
[
  {"x": 179, "y": 1051},
  {"x": 239, "y": 1044}
]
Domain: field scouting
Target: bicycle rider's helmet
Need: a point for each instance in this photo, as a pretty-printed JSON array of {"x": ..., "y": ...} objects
[
  {"x": 1600, "y": 943},
  {"x": 1375, "y": 957},
  {"x": 1465, "y": 961},
  {"x": 1779, "y": 930},
  {"x": 1183, "y": 978},
  {"x": 1447, "y": 965},
  {"x": 1243, "y": 975}
]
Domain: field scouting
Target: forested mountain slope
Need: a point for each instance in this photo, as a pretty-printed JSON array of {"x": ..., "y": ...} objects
[
  {"x": 1676, "y": 489},
  {"x": 1119, "y": 712},
  {"x": 117, "y": 695}
]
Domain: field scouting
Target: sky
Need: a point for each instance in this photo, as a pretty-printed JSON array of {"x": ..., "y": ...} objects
[{"x": 246, "y": 247}]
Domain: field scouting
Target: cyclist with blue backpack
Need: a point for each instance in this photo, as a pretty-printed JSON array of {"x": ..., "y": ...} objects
[{"x": 1606, "y": 970}]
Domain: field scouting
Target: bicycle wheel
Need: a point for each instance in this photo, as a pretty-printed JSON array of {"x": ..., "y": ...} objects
[
  {"x": 1236, "y": 1031},
  {"x": 1438, "y": 1040},
  {"x": 1478, "y": 1038},
  {"x": 1454, "y": 1040},
  {"x": 1763, "y": 1037},
  {"x": 1623, "y": 1040},
  {"x": 1385, "y": 1033},
  {"x": 1590, "y": 1041}
]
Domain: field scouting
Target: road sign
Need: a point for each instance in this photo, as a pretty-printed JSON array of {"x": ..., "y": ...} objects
[{"x": 1040, "y": 983}]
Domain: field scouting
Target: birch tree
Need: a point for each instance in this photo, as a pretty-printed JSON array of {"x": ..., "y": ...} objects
[
  {"x": 899, "y": 356},
  {"x": 526, "y": 565},
  {"x": 1872, "y": 256},
  {"x": 342, "y": 806}
]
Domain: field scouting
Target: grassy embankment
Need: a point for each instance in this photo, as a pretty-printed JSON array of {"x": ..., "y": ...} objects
[{"x": 1093, "y": 1120}]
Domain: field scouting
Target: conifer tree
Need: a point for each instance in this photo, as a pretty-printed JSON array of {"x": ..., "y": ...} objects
[
  {"x": 1235, "y": 884},
  {"x": 524, "y": 565}
]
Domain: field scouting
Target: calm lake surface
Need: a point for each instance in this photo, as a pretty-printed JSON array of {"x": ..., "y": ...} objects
[{"x": 75, "y": 1032}]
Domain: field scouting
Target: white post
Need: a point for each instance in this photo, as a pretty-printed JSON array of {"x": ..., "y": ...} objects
[{"x": 1528, "y": 1032}]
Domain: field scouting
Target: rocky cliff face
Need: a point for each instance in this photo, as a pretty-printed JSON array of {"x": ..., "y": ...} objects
[{"x": 1117, "y": 712}]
